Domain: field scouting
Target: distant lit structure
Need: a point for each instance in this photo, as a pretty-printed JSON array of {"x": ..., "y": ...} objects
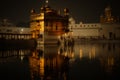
[
  {"x": 110, "y": 25},
  {"x": 10, "y": 31},
  {"x": 48, "y": 25},
  {"x": 84, "y": 30},
  {"x": 108, "y": 28},
  {"x": 107, "y": 17}
]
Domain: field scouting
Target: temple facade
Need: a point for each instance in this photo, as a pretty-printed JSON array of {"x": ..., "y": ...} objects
[{"x": 48, "y": 25}]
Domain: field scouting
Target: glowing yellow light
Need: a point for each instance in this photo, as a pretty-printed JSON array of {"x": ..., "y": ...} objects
[
  {"x": 58, "y": 52},
  {"x": 46, "y": 1},
  {"x": 92, "y": 53},
  {"x": 81, "y": 53},
  {"x": 41, "y": 66},
  {"x": 72, "y": 55}
]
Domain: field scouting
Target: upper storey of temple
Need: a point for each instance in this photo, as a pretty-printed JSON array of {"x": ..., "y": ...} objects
[
  {"x": 48, "y": 21},
  {"x": 47, "y": 12}
]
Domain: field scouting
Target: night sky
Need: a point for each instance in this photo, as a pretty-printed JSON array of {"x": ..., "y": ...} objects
[{"x": 81, "y": 10}]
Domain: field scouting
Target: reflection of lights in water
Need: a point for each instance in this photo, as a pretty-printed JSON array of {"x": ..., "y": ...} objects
[
  {"x": 42, "y": 66},
  {"x": 111, "y": 61},
  {"x": 65, "y": 54},
  {"x": 92, "y": 53},
  {"x": 110, "y": 64},
  {"x": 21, "y": 58},
  {"x": 72, "y": 55},
  {"x": 58, "y": 52},
  {"x": 72, "y": 58},
  {"x": 107, "y": 63},
  {"x": 81, "y": 53},
  {"x": 21, "y": 53},
  {"x": 89, "y": 52}
]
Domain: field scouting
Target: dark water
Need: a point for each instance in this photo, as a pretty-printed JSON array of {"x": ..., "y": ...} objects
[{"x": 83, "y": 61}]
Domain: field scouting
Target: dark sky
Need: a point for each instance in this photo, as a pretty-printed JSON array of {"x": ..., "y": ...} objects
[{"x": 81, "y": 10}]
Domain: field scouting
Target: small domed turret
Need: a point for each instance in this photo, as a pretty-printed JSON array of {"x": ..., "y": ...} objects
[
  {"x": 32, "y": 11},
  {"x": 66, "y": 11},
  {"x": 42, "y": 9}
]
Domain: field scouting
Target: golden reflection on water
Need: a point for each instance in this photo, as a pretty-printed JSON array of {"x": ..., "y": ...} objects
[
  {"x": 53, "y": 61},
  {"x": 50, "y": 64},
  {"x": 92, "y": 53},
  {"x": 81, "y": 53},
  {"x": 11, "y": 55}
]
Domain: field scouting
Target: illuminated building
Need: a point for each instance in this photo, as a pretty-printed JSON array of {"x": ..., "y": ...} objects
[
  {"x": 84, "y": 30},
  {"x": 48, "y": 25},
  {"x": 10, "y": 31},
  {"x": 108, "y": 18},
  {"x": 108, "y": 28},
  {"x": 110, "y": 25}
]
